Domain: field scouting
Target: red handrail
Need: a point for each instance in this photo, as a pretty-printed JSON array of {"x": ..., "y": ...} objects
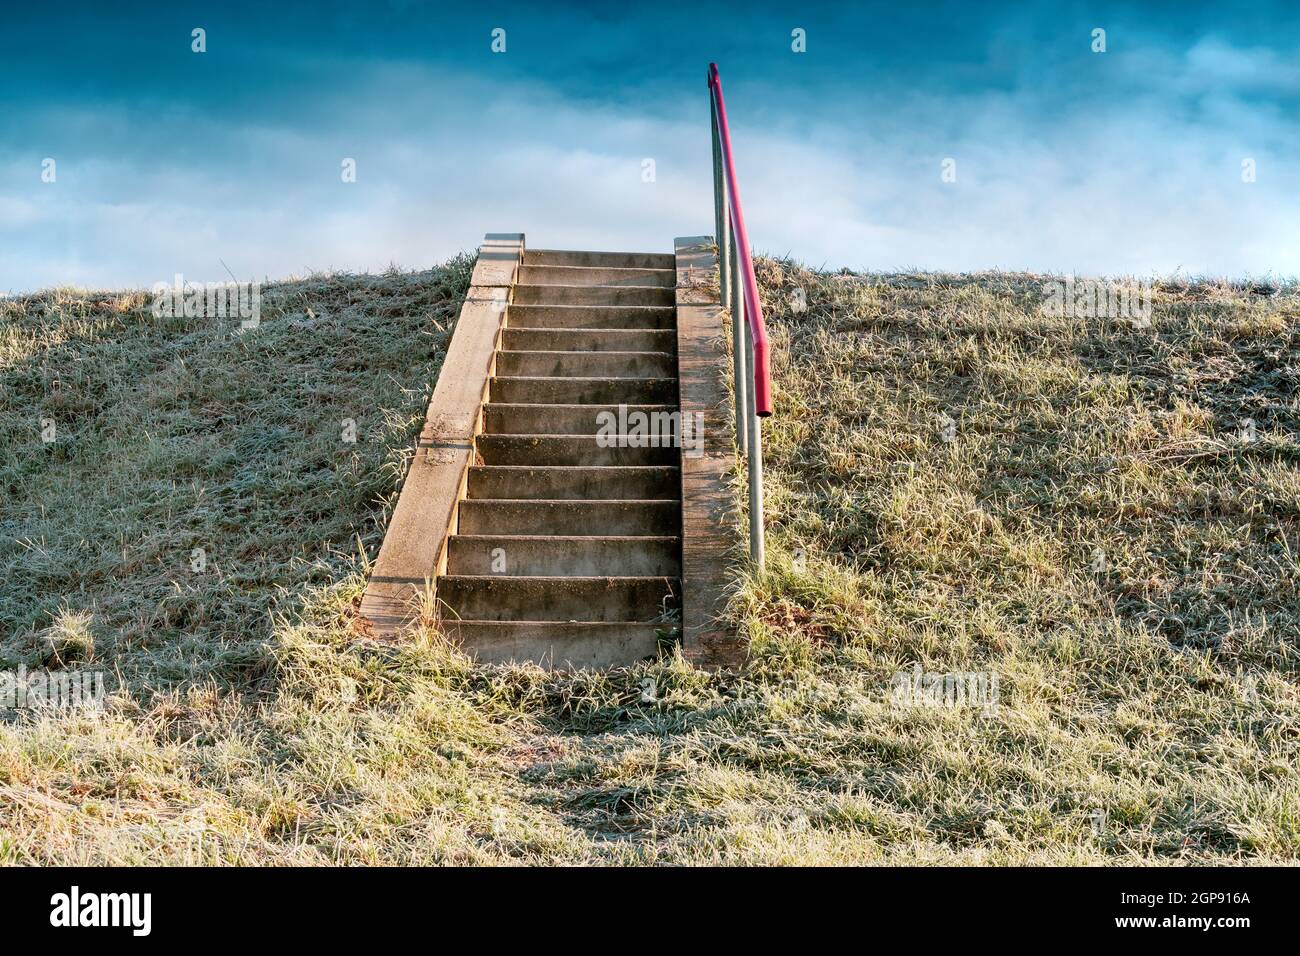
[{"x": 753, "y": 308}]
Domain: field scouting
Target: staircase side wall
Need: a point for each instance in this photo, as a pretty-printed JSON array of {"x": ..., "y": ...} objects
[
  {"x": 710, "y": 527},
  {"x": 414, "y": 551}
]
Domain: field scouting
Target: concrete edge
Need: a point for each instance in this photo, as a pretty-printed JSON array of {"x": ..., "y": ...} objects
[
  {"x": 709, "y": 521},
  {"x": 414, "y": 551}
]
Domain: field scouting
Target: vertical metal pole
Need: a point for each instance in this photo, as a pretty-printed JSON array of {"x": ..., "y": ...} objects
[
  {"x": 756, "y": 549},
  {"x": 728, "y": 282},
  {"x": 741, "y": 348},
  {"x": 721, "y": 220}
]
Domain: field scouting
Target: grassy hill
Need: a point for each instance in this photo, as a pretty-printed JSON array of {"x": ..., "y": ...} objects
[{"x": 957, "y": 481}]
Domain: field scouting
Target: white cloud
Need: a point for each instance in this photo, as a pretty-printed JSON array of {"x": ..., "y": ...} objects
[{"x": 1131, "y": 186}]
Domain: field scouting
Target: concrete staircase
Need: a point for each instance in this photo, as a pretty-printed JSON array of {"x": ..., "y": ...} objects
[{"x": 566, "y": 549}]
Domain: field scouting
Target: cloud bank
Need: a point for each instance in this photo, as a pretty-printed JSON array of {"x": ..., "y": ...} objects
[{"x": 1136, "y": 168}]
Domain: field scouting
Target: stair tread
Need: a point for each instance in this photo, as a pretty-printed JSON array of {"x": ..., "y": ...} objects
[
  {"x": 564, "y": 293},
  {"x": 525, "y": 622},
  {"x": 545, "y": 448},
  {"x": 579, "y": 328},
  {"x": 561, "y": 578},
  {"x": 570, "y": 501},
  {"x": 588, "y": 468},
  {"x": 516, "y": 436},
  {"x": 653, "y": 318},
  {"x": 639, "y": 538},
  {"x": 531, "y": 405},
  {"x": 620, "y": 288},
  {"x": 584, "y": 352},
  {"x": 595, "y": 275},
  {"x": 548, "y": 516},
  {"x": 596, "y": 258},
  {"x": 616, "y": 597},
  {"x": 534, "y": 339},
  {"x": 549, "y": 265},
  {"x": 585, "y": 363},
  {"x": 564, "y": 555},
  {"x": 590, "y": 307},
  {"x": 583, "y": 328}
]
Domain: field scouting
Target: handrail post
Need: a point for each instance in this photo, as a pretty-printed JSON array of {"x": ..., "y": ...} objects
[
  {"x": 756, "y": 549},
  {"x": 720, "y": 218},
  {"x": 728, "y": 282},
  {"x": 740, "y": 352}
]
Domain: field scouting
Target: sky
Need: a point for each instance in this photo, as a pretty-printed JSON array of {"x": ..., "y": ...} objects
[{"x": 1174, "y": 151}]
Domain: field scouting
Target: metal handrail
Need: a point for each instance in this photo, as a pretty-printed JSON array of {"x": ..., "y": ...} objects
[
  {"x": 739, "y": 293},
  {"x": 753, "y": 305}
]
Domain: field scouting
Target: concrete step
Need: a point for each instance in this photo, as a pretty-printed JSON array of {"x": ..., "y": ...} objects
[
  {"x": 590, "y": 340},
  {"x": 520, "y": 315},
  {"x": 574, "y": 482},
  {"x": 553, "y": 516},
  {"x": 501, "y": 419},
  {"x": 570, "y": 450},
  {"x": 610, "y": 599},
  {"x": 593, "y": 295},
  {"x": 562, "y": 645},
  {"x": 588, "y": 364},
  {"x": 598, "y": 275},
  {"x": 613, "y": 260},
  {"x": 556, "y": 556},
  {"x": 539, "y": 390},
  {"x": 575, "y": 390}
]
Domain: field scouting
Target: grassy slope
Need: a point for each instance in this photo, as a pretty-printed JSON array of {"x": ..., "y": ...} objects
[{"x": 1147, "y": 711}]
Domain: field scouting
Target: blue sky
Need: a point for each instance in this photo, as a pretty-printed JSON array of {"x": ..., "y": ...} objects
[{"x": 1123, "y": 162}]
